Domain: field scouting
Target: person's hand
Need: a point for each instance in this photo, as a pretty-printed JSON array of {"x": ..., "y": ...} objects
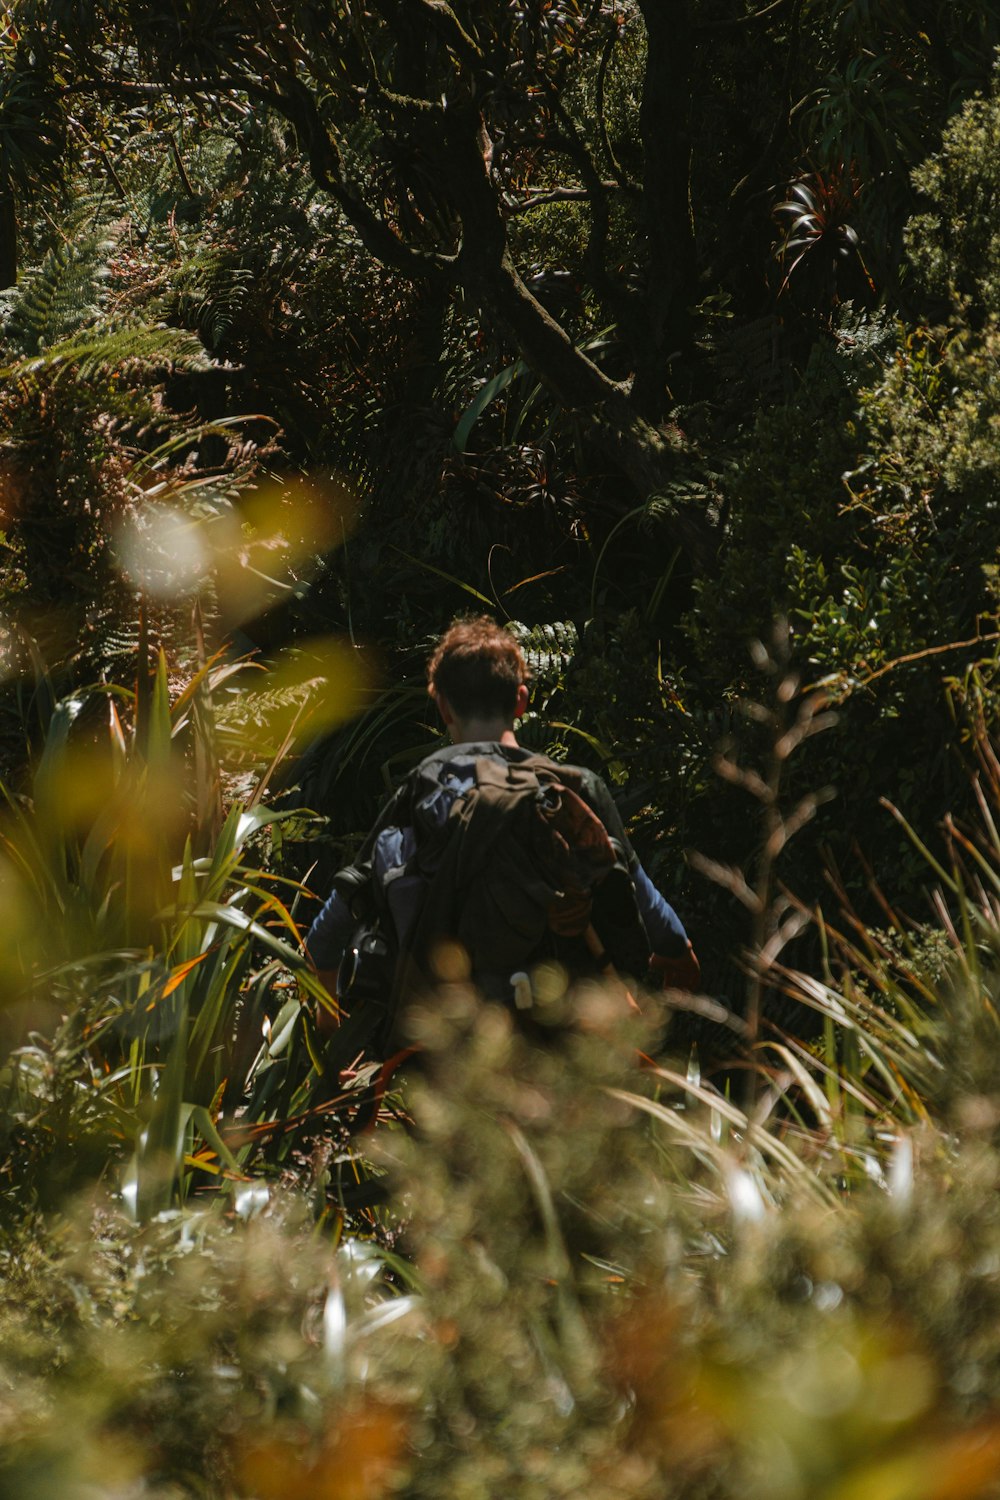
[{"x": 679, "y": 973}]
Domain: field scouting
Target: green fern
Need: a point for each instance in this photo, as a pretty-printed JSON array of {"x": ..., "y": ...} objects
[
  {"x": 62, "y": 294},
  {"x": 690, "y": 491},
  {"x": 55, "y": 318},
  {"x": 131, "y": 348},
  {"x": 249, "y": 726},
  {"x": 211, "y": 290},
  {"x": 749, "y": 362},
  {"x": 548, "y": 650}
]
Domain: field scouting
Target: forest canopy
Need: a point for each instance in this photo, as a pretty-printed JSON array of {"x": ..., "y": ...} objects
[
  {"x": 644, "y": 328},
  {"x": 593, "y": 183}
]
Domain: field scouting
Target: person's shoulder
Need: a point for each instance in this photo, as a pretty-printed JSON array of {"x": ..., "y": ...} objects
[
  {"x": 592, "y": 780},
  {"x": 459, "y": 758},
  {"x": 590, "y": 783},
  {"x": 594, "y": 790},
  {"x": 446, "y": 757},
  {"x": 436, "y": 757},
  {"x": 452, "y": 766}
]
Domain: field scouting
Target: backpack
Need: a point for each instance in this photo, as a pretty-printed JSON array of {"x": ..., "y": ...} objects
[{"x": 504, "y": 856}]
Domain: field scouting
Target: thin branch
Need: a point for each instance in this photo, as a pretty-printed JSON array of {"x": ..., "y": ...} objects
[
  {"x": 554, "y": 195},
  {"x": 407, "y": 107},
  {"x": 703, "y": 1005},
  {"x": 618, "y": 298},
  {"x": 602, "y": 70},
  {"x": 103, "y": 156},
  {"x": 118, "y": 90},
  {"x": 441, "y": 15},
  {"x": 737, "y": 23},
  {"x": 849, "y": 686},
  {"x": 994, "y": 635},
  {"x": 299, "y": 107},
  {"x": 730, "y": 877},
  {"x": 179, "y": 164}
]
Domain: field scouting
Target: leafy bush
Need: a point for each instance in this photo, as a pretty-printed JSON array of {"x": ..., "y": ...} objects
[{"x": 614, "y": 1283}]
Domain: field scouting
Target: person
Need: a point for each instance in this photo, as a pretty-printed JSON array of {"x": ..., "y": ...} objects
[{"x": 477, "y": 678}]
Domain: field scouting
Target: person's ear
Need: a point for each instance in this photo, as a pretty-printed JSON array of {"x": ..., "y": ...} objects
[
  {"x": 444, "y": 708},
  {"x": 521, "y": 702}
]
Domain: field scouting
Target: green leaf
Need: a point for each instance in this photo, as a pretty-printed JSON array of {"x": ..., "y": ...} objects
[
  {"x": 159, "y": 730},
  {"x": 233, "y": 917},
  {"x": 440, "y": 573},
  {"x": 486, "y": 395},
  {"x": 54, "y": 752}
]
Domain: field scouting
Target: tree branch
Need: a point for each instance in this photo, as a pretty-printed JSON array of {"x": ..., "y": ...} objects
[
  {"x": 179, "y": 164},
  {"x": 441, "y": 16},
  {"x": 736, "y": 23},
  {"x": 602, "y": 71},
  {"x": 576, "y": 148},
  {"x": 554, "y": 195},
  {"x": 487, "y": 270},
  {"x": 298, "y": 106},
  {"x": 671, "y": 262},
  {"x": 116, "y": 89},
  {"x": 406, "y": 108}
]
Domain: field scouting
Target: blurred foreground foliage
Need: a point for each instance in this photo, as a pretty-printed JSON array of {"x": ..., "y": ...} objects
[{"x": 599, "y": 1282}]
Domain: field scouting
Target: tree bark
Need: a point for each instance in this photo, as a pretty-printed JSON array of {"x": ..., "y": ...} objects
[
  {"x": 637, "y": 448},
  {"x": 665, "y": 128}
]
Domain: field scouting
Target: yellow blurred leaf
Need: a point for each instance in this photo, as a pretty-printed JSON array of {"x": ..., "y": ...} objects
[
  {"x": 361, "y": 1454},
  {"x": 966, "y": 1463},
  {"x": 959, "y": 1467},
  {"x": 355, "y": 1459},
  {"x": 257, "y": 549},
  {"x": 311, "y": 687},
  {"x": 301, "y": 515},
  {"x": 266, "y": 546},
  {"x": 273, "y": 1468}
]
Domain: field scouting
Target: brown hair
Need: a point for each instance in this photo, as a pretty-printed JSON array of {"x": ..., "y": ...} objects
[{"x": 478, "y": 667}]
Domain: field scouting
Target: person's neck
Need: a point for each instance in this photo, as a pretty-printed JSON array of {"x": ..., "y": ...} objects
[{"x": 482, "y": 732}]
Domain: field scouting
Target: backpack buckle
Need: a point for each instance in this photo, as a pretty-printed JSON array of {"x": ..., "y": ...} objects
[{"x": 366, "y": 968}]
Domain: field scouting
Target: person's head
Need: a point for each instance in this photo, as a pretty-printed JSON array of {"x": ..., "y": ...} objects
[{"x": 477, "y": 677}]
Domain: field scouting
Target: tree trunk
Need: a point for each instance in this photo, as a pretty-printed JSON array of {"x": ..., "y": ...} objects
[
  {"x": 665, "y": 128},
  {"x": 448, "y": 135},
  {"x": 637, "y": 448}
]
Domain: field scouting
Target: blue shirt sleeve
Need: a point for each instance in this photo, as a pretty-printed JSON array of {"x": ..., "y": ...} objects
[
  {"x": 330, "y": 933},
  {"x": 664, "y": 928}
]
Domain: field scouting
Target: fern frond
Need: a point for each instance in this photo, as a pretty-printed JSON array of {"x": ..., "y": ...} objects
[
  {"x": 132, "y": 348},
  {"x": 689, "y": 491},
  {"x": 249, "y": 726},
  {"x": 65, "y": 292},
  {"x": 548, "y": 651},
  {"x": 211, "y": 289},
  {"x": 749, "y": 361}
]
